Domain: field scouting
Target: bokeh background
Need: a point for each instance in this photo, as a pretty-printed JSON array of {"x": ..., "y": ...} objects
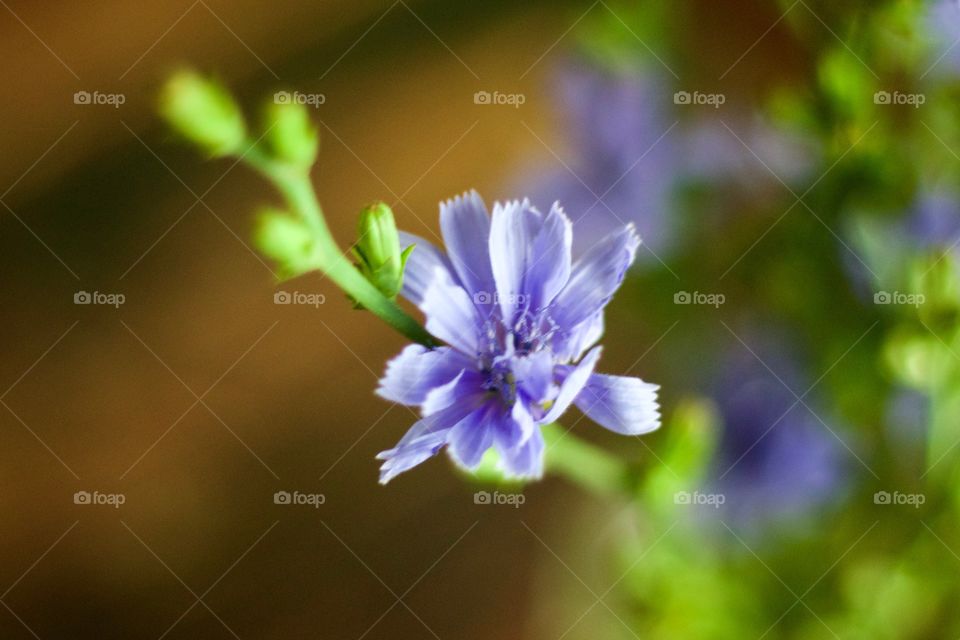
[{"x": 778, "y": 197}]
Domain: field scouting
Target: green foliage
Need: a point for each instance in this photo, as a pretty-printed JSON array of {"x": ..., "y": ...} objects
[{"x": 871, "y": 304}]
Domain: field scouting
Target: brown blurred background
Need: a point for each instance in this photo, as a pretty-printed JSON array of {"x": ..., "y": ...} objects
[{"x": 199, "y": 398}]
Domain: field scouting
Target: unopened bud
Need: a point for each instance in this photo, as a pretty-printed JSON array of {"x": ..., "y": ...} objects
[
  {"x": 378, "y": 250},
  {"x": 204, "y": 113}
]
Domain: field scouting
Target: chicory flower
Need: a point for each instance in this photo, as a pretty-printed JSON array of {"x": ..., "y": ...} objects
[
  {"x": 519, "y": 318},
  {"x": 625, "y": 155},
  {"x": 777, "y": 462}
]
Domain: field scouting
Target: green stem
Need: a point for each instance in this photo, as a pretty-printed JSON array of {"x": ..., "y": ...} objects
[
  {"x": 584, "y": 464},
  {"x": 295, "y": 187}
]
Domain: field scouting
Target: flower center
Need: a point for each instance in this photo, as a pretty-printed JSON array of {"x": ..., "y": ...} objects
[
  {"x": 500, "y": 379},
  {"x": 503, "y": 344}
]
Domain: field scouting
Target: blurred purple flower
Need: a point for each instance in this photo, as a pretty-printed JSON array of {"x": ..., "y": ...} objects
[
  {"x": 748, "y": 153},
  {"x": 776, "y": 460},
  {"x": 630, "y": 153},
  {"x": 519, "y": 318},
  {"x": 886, "y": 245},
  {"x": 624, "y": 158},
  {"x": 934, "y": 221},
  {"x": 942, "y": 27}
]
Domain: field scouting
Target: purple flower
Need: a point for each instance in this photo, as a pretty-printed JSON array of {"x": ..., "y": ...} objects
[
  {"x": 933, "y": 221},
  {"x": 887, "y": 245},
  {"x": 518, "y": 318},
  {"x": 748, "y": 153},
  {"x": 776, "y": 460},
  {"x": 625, "y": 154},
  {"x": 942, "y": 31}
]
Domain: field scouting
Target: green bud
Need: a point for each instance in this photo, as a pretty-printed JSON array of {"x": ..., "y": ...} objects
[
  {"x": 937, "y": 279},
  {"x": 204, "y": 113},
  {"x": 285, "y": 239},
  {"x": 845, "y": 80},
  {"x": 290, "y": 134},
  {"x": 915, "y": 359},
  {"x": 378, "y": 250}
]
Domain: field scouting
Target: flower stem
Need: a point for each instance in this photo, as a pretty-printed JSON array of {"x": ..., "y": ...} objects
[
  {"x": 294, "y": 185},
  {"x": 584, "y": 464}
]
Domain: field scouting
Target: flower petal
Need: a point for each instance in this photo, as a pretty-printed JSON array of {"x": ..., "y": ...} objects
[
  {"x": 533, "y": 375},
  {"x": 467, "y": 383},
  {"x": 526, "y": 460},
  {"x": 417, "y": 370},
  {"x": 570, "y": 345},
  {"x": 451, "y": 315},
  {"x": 549, "y": 270},
  {"x": 595, "y": 277},
  {"x": 421, "y": 267},
  {"x": 512, "y": 230},
  {"x": 574, "y": 381},
  {"x": 471, "y": 438},
  {"x": 424, "y": 439},
  {"x": 622, "y": 404},
  {"x": 465, "y": 224}
]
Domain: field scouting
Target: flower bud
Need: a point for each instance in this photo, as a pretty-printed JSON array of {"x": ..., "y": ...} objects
[
  {"x": 204, "y": 113},
  {"x": 916, "y": 359},
  {"x": 935, "y": 284},
  {"x": 378, "y": 250},
  {"x": 286, "y": 240},
  {"x": 290, "y": 134}
]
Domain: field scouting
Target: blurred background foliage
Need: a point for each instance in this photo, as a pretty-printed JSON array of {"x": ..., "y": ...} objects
[
  {"x": 793, "y": 169},
  {"x": 821, "y": 203}
]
